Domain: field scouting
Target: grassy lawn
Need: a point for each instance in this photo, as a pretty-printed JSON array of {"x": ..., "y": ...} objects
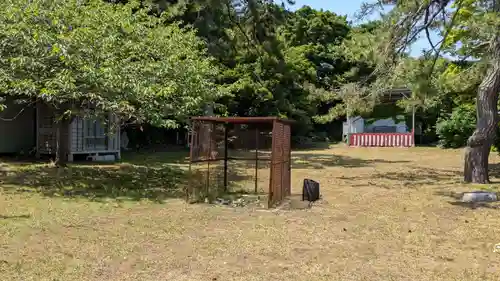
[{"x": 386, "y": 214}]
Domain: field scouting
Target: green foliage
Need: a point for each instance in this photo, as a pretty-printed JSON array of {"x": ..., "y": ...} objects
[
  {"x": 309, "y": 26},
  {"x": 454, "y": 129},
  {"x": 273, "y": 61},
  {"x": 385, "y": 111},
  {"x": 94, "y": 55},
  {"x": 496, "y": 145},
  {"x": 467, "y": 28},
  {"x": 475, "y": 22},
  {"x": 279, "y": 62},
  {"x": 160, "y": 61},
  {"x": 343, "y": 92}
]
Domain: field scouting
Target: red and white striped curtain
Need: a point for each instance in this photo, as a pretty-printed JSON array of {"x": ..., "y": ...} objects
[{"x": 382, "y": 139}]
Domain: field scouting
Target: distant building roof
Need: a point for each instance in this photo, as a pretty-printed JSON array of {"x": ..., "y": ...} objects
[{"x": 396, "y": 94}]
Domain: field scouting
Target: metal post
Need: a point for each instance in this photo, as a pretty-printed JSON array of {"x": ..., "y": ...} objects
[
  {"x": 270, "y": 199},
  {"x": 282, "y": 158},
  {"x": 256, "y": 158},
  {"x": 209, "y": 156},
  {"x": 289, "y": 136},
  {"x": 191, "y": 141},
  {"x": 225, "y": 156},
  {"x": 413, "y": 125},
  {"x": 348, "y": 126}
]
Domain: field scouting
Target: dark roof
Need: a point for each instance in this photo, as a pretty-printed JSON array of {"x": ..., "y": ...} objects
[
  {"x": 393, "y": 95},
  {"x": 240, "y": 120}
]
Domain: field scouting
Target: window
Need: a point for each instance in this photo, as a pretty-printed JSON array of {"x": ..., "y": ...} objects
[{"x": 95, "y": 134}]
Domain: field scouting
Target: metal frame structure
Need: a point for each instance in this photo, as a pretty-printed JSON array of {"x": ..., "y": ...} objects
[{"x": 207, "y": 146}]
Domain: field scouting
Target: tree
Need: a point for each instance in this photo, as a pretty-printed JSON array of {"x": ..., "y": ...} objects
[
  {"x": 272, "y": 61},
  {"x": 352, "y": 64},
  {"x": 86, "y": 57},
  {"x": 315, "y": 34},
  {"x": 469, "y": 29}
]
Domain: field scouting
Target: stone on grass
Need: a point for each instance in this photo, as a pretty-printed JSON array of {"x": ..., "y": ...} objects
[
  {"x": 222, "y": 201},
  {"x": 479, "y": 196},
  {"x": 4, "y": 169}
]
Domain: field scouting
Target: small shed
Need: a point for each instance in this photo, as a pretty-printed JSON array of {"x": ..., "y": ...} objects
[{"x": 92, "y": 137}]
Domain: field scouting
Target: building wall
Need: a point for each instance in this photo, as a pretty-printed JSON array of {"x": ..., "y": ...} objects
[
  {"x": 17, "y": 135},
  {"x": 79, "y": 140},
  {"x": 359, "y": 125}
]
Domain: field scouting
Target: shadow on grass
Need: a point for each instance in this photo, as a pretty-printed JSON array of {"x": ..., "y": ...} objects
[
  {"x": 154, "y": 176},
  {"x": 142, "y": 175},
  {"x": 303, "y": 160},
  {"x": 307, "y": 159},
  {"x": 156, "y": 159},
  {"x": 97, "y": 182},
  {"x": 312, "y": 146},
  {"x": 474, "y": 206},
  {"x": 15, "y": 217},
  {"x": 423, "y": 176},
  {"x": 208, "y": 180},
  {"x": 414, "y": 177}
]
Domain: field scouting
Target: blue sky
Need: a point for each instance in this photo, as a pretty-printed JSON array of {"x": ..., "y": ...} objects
[{"x": 349, "y": 8}]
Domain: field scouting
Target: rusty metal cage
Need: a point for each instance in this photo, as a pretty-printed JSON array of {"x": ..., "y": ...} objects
[{"x": 240, "y": 155}]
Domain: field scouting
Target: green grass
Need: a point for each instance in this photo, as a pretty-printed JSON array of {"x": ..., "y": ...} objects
[
  {"x": 140, "y": 176},
  {"x": 386, "y": 214}
]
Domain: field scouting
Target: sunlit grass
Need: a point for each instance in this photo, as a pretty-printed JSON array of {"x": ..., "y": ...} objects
[{"x": 385, "y": 215}]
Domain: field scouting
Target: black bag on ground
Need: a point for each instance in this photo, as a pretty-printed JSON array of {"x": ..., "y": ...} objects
[{"x": 310, "y": 191}]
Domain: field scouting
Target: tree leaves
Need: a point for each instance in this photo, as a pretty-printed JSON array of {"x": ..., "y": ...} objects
[{"x": 106, "y": 57}]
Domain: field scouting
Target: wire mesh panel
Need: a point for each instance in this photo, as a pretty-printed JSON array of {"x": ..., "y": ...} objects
[
  {"x": 206, "y": 159},
  {"x": 239, "y": 156},
  {"x": 287, "y": 165},
  {"x": 206, "y": 141},
  {"x": 275, "y": 192},
  {"x": 249, "y": 157}
]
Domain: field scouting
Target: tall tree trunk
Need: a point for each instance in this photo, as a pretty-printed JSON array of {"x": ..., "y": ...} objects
[
  {"x": 479, "y": 144},
  {"x": 62, "y": 137}
]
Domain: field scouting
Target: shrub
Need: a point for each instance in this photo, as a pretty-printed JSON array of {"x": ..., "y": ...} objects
[
  {"x": 496, "y": 144},
  {"x": 454, "y": 129}
]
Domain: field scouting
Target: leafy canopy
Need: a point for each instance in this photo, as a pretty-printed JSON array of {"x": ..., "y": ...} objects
[
  {"x": 466, "y": 28},
  {"x": 89, "y": 54}
]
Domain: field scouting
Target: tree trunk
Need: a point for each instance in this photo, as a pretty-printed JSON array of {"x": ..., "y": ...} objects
[
  {"x": 479, "y": 144},
  {"x": 62, "y": 139}
]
